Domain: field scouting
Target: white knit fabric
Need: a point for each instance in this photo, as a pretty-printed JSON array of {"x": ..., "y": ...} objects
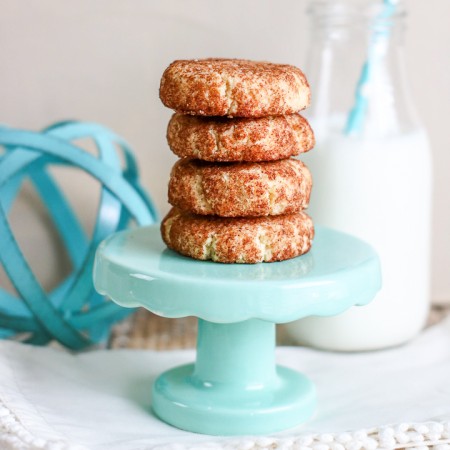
[{"x": 53, "y": 400}]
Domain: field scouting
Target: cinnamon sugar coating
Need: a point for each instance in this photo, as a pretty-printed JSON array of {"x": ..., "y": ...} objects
[
  {"x": 240, "y": 139},
  {"x": 233, "y": 88},
  {"x": 238, "y": 240},
  {"x": 240, "y": 189}
]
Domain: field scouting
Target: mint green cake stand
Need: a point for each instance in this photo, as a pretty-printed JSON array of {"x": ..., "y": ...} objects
[{"x": 234, "y": 387}]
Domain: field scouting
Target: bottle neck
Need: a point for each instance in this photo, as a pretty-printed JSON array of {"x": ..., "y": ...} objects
[
  {"x": 356, "y": 67},
  {"x": 366, "y": 16}
]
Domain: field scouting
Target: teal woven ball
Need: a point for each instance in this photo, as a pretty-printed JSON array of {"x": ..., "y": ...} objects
[{"x": 72, "y": 313}]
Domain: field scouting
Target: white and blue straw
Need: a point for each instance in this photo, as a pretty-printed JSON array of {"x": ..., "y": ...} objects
[{"x": 376, "y": 49}]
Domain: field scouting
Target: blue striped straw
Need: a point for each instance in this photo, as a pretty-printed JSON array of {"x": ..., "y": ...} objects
[{"x": 376, "y": 50}]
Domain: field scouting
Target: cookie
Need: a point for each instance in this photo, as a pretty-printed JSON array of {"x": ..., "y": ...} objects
[
  {"x": 241, "y": 240},
  {"x": 241, "y": 139},
  {"x": 234, "y": 88},
  {"x": 240, "y": 189}
]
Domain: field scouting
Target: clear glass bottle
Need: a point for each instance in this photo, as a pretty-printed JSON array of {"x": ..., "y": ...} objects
[{"x": 371, "y": 168}]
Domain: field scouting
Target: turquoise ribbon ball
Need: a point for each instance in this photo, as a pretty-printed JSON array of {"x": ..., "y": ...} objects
[{"x": 72, "y": 313}]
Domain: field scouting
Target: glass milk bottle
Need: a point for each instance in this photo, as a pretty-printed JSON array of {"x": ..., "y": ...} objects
[{"x": 371, "y": 168}]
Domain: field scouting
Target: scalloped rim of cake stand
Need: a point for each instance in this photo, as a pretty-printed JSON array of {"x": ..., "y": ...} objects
[{"x": 135, "y": 268}]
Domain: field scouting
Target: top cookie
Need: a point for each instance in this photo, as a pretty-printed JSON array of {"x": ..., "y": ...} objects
[{"x": 233, "y": 88}]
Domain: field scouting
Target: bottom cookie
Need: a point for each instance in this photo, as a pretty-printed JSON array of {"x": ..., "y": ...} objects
[{"x": 238, "y": 240}]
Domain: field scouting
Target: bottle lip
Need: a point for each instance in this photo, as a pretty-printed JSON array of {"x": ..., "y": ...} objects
[{"x": 344, "y": 11}]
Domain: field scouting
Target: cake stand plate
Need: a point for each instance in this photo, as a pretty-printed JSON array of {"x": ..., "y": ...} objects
[{"x": 234, "y": 387}]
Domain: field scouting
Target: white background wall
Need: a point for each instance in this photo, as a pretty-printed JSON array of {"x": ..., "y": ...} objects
[{"x": 101, "y": 60}]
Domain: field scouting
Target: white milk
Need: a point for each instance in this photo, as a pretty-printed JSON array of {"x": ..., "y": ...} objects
[{"x": 380, "y": 191}]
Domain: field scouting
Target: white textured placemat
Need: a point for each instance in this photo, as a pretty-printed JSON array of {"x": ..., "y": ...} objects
[{"x": 100, "y": 400}]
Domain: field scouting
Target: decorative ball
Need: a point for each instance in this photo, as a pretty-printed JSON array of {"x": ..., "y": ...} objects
[{"x": 72, "y": 313}]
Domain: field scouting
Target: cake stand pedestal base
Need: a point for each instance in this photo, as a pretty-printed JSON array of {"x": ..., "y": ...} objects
[{"x": 234, "y": 385}]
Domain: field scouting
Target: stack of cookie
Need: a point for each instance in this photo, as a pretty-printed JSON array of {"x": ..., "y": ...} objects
[{"x": 237, "y": 195}]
